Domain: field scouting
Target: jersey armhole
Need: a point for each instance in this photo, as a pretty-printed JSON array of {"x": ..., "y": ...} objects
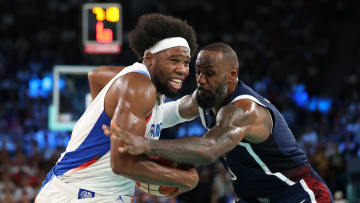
[{"x": 252, "y": 98}]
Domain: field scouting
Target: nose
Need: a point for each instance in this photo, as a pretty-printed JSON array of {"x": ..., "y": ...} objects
[
  {"x": 201, "y": 79},
  {"x": 182, "y": 69}
]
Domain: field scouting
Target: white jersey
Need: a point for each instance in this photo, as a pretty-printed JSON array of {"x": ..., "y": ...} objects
[{"x": 86, "y": 161}]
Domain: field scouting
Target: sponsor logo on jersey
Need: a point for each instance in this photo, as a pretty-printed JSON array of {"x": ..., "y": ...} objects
[
  {"x": 84, "y": 194},
  {"x": 154, "y": 131}
]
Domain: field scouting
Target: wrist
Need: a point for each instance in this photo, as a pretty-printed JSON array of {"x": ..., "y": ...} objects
[{"x": 147, "y": 144}]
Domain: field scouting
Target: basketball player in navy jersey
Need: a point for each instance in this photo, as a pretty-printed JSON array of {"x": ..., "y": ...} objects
[{"x": 247, "y": 133}]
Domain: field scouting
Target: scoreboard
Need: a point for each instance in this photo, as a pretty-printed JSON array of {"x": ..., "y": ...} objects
[{"x": 102, "y": 28}]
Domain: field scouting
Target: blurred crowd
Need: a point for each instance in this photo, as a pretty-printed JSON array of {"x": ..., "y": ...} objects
[{"x": 280, "y": 44}]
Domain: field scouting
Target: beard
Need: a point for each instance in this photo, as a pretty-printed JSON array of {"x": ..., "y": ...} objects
[
  {"x": 164, "y": 88},
  {"x": 209, "y": 99}
]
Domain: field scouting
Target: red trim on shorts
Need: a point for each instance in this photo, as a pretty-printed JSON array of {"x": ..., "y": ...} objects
[{"x": 320, "y": 190}]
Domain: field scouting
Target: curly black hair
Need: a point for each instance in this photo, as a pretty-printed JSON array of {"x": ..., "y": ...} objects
[{"x": 151, "y": 28}]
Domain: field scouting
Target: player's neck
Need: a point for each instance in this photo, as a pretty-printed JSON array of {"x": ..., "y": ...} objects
[
  {"x": 159, "y": 98},
  {"x": 232, "y": 89}
]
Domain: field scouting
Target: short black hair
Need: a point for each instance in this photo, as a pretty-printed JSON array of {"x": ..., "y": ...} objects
[
  {"x": 228, "y": 52},
  {"x": 152, "y": 28}
]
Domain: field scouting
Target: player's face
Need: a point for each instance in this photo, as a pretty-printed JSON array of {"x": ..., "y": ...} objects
[
  {"x": 171, "y": 69},
  {"x": 211, "y": 80}
]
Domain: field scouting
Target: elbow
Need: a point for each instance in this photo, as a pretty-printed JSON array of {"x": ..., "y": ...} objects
[
  {"x": 195, "y": 180},
  {"x": 91, "y": 75},
  {"x": 117, "y": 170},
  {"x": 95, "y": 72},
  {"x": 191, "y": 180},
  {"x": 191, "y": 184}
]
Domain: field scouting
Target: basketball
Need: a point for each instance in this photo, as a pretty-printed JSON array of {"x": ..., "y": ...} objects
[
  {"x": 157, "y": 190},
  {"x": 160, "y": 190}
]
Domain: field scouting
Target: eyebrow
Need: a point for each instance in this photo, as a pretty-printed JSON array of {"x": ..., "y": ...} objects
[
  {"x": 209, "y": 65},
  {"x": 181, "y": 56}
]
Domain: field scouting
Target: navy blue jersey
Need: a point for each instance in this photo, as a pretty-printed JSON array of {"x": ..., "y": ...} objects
[{"x": 259, "y": 170}]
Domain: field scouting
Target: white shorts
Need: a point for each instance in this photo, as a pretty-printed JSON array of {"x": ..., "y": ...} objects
[{"x": 56, "y": 191}]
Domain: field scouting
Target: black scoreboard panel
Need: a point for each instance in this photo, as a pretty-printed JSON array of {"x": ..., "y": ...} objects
[{"x": 102, "y": 28}]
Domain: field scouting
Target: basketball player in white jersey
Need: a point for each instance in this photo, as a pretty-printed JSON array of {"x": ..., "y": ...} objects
[{"x": 92, "y": 169}]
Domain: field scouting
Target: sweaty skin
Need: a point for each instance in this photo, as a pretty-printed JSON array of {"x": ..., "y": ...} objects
[
  {"x": 243, "y": 119},
  {"x": 129, "y": 112}
]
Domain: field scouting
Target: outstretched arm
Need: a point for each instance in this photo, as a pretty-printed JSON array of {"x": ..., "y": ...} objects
[
  {"x": 233, "y": 123},
  {"x": 201, "y": 150},
  {"x": 100, "y": 76}
]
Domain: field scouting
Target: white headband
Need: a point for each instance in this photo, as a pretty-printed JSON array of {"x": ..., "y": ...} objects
[{"x": 168, "y": 43}]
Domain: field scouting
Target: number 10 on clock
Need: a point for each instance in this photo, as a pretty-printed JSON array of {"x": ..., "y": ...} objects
[{"x": 102, "y": 28}]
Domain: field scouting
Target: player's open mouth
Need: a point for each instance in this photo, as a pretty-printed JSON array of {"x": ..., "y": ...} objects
[{"x": 175, "y": 84}]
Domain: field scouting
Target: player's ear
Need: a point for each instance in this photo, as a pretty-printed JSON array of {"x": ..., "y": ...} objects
[
  {"x": 233, "y": 74},
  {"x": 149, "y": 59}
]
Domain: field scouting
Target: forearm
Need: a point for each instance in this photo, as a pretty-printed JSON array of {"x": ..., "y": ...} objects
[
  {"x": 141, "y": 168},
  {"x": 147, "y": 171},
  {"x": 193, "y": 150},
  {"x": 178, "y": 111},
  {"x": 188, "y": 108},
  {"x": 201, "y": 150}
]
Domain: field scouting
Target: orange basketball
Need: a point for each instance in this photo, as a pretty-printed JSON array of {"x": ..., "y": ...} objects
[{"x": 156, "y": 190}]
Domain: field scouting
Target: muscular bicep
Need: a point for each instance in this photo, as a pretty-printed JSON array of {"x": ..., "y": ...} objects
[
  {"x": 240, "y": 113},
  {"x": 232, "y": 122},
  {"x": 133, "y": 98},
  {"x": 128, "y": 101},
  {"x": 257, "y": 119}
]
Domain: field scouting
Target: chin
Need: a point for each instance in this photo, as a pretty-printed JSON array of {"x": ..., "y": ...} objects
[
  {"x": 165, "y": 90},
  {"x": 171, "y": 94},
  {"x": 206, "y": 102}
]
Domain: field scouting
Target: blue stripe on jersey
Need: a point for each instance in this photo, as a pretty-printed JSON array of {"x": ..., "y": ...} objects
[
  {"x": 95, "y": 145},
  {"x": 48, "y": 177},
  {"x": 142, "y": 72}
]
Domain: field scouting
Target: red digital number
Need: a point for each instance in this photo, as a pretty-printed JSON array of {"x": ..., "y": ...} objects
[{"x": 103, "y": 35}]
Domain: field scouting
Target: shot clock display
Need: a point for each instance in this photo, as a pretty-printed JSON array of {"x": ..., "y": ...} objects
[{"x": 102, "y": 28}]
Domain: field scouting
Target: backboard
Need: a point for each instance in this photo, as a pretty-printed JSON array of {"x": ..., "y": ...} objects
[{"x": 71, "y": 96}]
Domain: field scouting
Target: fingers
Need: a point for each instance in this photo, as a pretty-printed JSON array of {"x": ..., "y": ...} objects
[
  {"x": 106, "y": 130},
  {"x": 109, "y": 131},
  {"x": 115, "y": 133},
  {"x": 123, "y": 149}
]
